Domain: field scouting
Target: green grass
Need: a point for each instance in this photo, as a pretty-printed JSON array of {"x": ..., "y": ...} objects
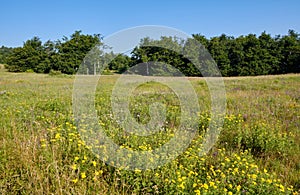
[{"x": 258, "y": 151}]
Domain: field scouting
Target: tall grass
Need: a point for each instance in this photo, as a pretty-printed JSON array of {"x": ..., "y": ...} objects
[{"x": 258, "y": 151}]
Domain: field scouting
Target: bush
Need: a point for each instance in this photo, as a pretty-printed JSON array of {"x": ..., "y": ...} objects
[
  {"x": 29, "y": 71},
  {"x": 107, "y": 72},
  {"x": 55, "y": 72}
]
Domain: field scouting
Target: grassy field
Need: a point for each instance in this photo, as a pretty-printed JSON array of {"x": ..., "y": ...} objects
[{"x": 258, "y": 150}]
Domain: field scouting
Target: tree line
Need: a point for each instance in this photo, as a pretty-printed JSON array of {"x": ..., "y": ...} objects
[
  {"x": 62, "y": 55},
  {"x": 234, "y": 56}
]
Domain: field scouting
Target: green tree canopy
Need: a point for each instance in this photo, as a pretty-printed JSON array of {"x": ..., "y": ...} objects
[
  {"x": 241, "y": 56},
  {"x": 63, "y": 55}
]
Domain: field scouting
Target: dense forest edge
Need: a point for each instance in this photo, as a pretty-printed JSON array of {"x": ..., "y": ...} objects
[{"x": 248, "y": 55}]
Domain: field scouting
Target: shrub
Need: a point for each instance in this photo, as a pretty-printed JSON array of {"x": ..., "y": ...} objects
[{"x": 55, "y": 72}]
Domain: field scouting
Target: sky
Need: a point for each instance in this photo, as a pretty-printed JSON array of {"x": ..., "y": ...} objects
[{"x": 51, "y": 20}]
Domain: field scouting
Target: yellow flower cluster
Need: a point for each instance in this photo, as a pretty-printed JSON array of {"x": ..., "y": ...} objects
[{"x": 217, "y": 173}]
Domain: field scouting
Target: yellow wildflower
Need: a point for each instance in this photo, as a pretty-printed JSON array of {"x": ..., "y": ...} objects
[
  {"x": 205, "y": 186},
  {"x": 75, "y": 180},
  {"x": 137, "y": 171},
  {"x": 83, "y": 175},
  {"x": 182, "y": 186},
  {"x": 197, "y": 192},
  {"x": 74, "y": 166},
  {"x": 281, "y": 188},
  {"x": 57, "y": 136}
]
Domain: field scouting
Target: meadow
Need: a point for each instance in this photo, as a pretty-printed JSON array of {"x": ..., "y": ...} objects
[{"x": 41, "y": 151}]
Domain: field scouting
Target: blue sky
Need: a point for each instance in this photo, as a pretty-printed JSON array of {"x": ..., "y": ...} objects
[{"x": 53, "y": 19}]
